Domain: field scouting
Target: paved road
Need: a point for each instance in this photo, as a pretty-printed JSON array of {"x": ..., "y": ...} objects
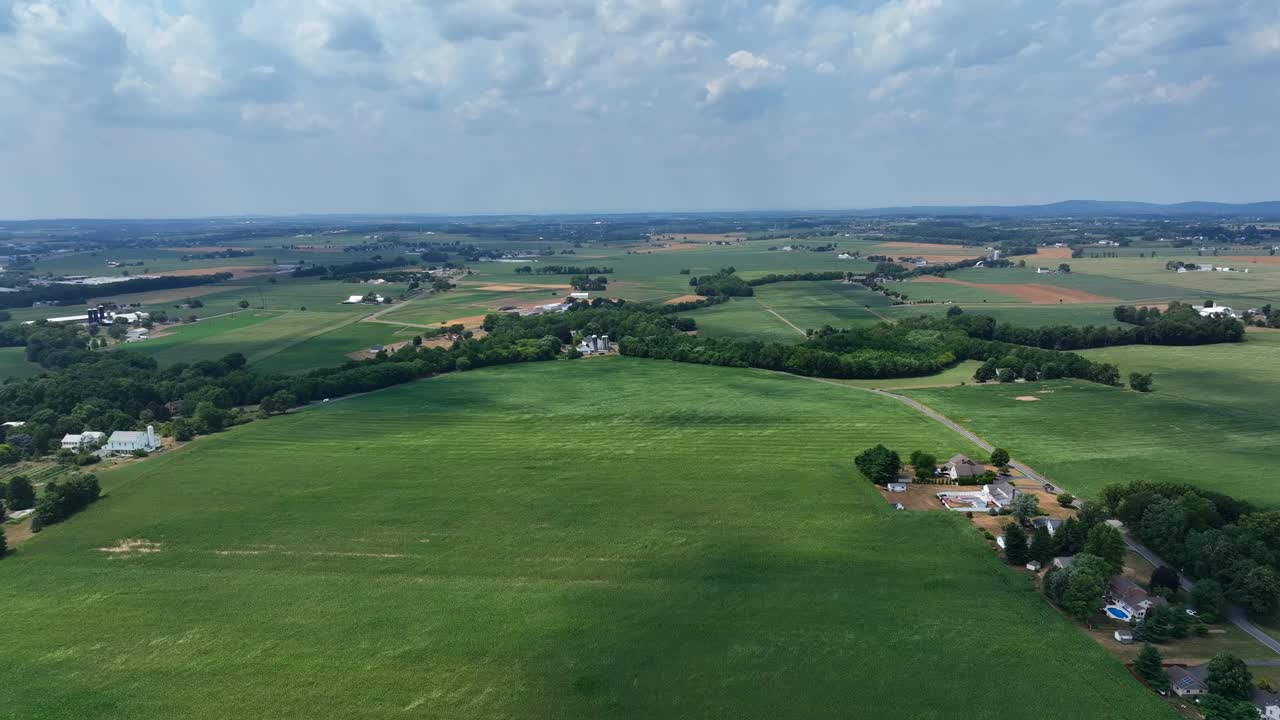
[{"x": 1235, "y": 615}]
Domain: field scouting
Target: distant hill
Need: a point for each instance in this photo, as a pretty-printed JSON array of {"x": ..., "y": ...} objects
[{"x": 1088, "y": 208}]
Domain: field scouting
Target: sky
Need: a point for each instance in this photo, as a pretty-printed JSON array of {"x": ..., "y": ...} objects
[{"x": 176, "y": 108}]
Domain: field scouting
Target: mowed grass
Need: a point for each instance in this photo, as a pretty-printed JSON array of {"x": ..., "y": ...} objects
[
  {"x": 1206, "y": 424},
  {"x": 14, "y": 364},
  {"x": 542, "y": 541}
]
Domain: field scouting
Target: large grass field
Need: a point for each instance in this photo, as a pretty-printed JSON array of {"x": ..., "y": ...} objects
[
  {"x": 541, "y": 541},
  {"x": 775, "y": 311},
  {"x": 1211, "y": 420},
  {"x": 14, "y": 364}
]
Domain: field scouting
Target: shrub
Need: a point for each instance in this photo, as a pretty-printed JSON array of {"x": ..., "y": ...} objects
[{"x": 1066, "y": 499}]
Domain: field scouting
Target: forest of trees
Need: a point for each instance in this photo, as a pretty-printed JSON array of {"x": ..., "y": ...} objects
[
  {"x": 343, "y": 270},
  {"x": 1210, "y": 535},
  {"x": 724, "y": 283},
  {"x": 563, "y": 270}
]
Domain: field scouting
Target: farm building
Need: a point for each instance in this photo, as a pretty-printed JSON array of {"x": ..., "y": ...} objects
[
  {"x": 580, "y": 295},
  {"x": 123, "y": 442},
  {"x": 594, "y": 345},
  {"x": 86, "y": 439},
  {"x": 1043, "y": 271},
  {"x": 1188, "y": 681},
  {"x": 960, "y": 467}
]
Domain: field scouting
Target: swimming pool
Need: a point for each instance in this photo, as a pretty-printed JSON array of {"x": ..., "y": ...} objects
[{"x": 1117, "y": 613}]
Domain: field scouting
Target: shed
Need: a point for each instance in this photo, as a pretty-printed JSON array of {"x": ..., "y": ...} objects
[{"x": 1124, "y": 637}]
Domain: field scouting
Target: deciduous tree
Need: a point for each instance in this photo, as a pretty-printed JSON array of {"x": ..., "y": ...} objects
[{"x": 1229, "y": 677}]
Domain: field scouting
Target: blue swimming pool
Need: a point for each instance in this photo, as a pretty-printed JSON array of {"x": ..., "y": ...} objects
[{"x": 1117, "y": 613}]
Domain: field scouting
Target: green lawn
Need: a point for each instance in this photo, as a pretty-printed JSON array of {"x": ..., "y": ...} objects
[
  {"x": 14, "y": 364},
  {"x": 541, "y": 541}
]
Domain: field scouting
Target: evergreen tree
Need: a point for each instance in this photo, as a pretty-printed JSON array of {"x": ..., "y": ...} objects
[
  {"x": 1149, "y": 666},
  {"x": 1042, "y": 546},
  {"x": 1015, "y": 544},
  {"x": 20, "y": 495}
]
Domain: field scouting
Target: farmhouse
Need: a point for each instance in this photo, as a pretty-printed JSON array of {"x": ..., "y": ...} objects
[
  {"x": 1129, "y": 597},
  {"x": 123, "y": 442},
  {"x": 86, "y": 439},
  {"x": 960, "y": 467},
  {"x": 1188, "y": 681}
]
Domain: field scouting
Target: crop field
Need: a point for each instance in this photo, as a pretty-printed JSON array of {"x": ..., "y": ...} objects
[
  {"x": 775, "y": 311},
  {"x": 331, "y": 348},
  {"x": 254, "y": 333},
  {"x": 1210, "y": 422},
  {"x": 1120, "y": 288},
  {"x": 1019, "y": 314},
  {"x": 453, "y": 549}
]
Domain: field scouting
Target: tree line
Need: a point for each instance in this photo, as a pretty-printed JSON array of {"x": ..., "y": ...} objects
[
  {"x": 80, "y": 294},
  {"x": 1180, "y": 325},
  {"x": 564, "y": 270},
  {"x": 342, "y": 270}
]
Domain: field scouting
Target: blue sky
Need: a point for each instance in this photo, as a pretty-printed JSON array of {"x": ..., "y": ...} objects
[{"x": 113, "y": 108}]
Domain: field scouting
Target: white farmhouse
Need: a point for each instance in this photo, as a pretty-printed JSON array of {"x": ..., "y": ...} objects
[
  {"x": 123, "y": 442},
  {"x": 82, "y": 441}
]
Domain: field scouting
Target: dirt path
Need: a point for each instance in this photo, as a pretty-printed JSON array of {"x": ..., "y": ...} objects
[{"x": 775, "y": 314}]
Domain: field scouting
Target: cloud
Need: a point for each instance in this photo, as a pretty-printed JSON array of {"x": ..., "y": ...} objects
[
  {"x": 354, "y": 32},
  {"x": 1146, "y": 88},
  {"x": 283, "y": 118},
  {"x": 750, "y": 86}
]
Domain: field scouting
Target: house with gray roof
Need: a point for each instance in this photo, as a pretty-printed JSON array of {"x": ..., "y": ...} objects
[
  {"x": 1048, "y": 523},
  {"x": 960, "y": 467},
  {"x": 1267, "y": 703},
  {"x": 1188, "y": 681}
]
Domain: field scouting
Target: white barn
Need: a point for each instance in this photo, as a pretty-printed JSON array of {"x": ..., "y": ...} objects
[{"x": 127, "y": 441}]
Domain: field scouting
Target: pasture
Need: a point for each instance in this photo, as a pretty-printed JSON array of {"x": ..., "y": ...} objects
[
  {"x": 453, "y": 548},
  {"x": 14, "y": 364}
]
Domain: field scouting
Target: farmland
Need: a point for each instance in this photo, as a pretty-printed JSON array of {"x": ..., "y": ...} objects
[
  {"x": 711, "y": 553},
  {"x": 1207, "y": 422}
]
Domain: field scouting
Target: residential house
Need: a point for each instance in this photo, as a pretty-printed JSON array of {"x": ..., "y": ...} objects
[
  {"x": 999, "y": 493},
  {"x": 123, "y": 442},
  {"x": 82, "y": 441},
  {"x": 1267, "y": 704},
  {"x": 1048, "y": 523},
  {"x": 960, "y": 467},
  {"x": 1128, "y": 596},
  {"x": 1188, "y": 681}
]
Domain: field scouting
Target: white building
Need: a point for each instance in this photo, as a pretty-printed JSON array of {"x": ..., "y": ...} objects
[
  {"x": 123, "y": 442},
  {"x": 82, "y": 441},
  {"x": 580, "y": 295},
  {"x": 594, "y": 345},
  {"x": 1216, "y": 311}
]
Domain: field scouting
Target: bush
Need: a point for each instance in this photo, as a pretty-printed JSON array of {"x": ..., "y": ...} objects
[{"x": 1066, "y": 499}]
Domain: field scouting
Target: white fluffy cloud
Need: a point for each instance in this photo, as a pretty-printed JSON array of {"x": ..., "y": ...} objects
[{"x": 614, "y": 77}]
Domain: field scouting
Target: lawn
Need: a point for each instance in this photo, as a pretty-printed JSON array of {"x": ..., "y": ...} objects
[
  {"x": 14, "y": 364},
  {"x": 541, "y": 541}
]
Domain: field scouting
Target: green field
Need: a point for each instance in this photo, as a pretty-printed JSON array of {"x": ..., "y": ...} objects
[
  {"x": 331, "y": 348},
  {"x": 455, "y": 548},
  {"x": 14, "y": 364},
  {"x": 775, "y": 311},
  {"x": 1211, "y": 421}
]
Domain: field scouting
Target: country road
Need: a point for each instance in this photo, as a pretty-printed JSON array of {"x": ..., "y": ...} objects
[{"x": 1235, "y": 614}]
